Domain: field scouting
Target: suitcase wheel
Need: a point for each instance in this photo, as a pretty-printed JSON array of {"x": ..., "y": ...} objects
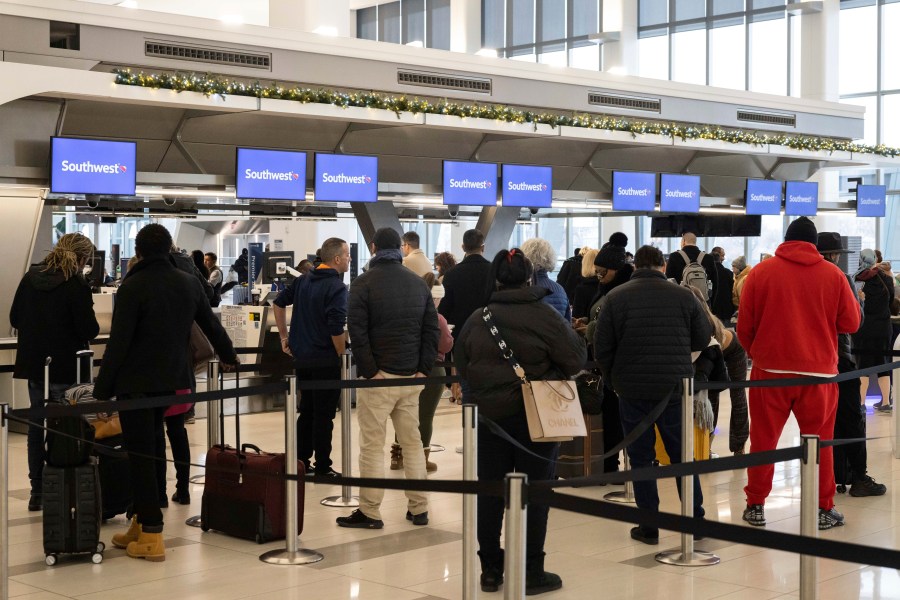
[
  {"x": 258, "y": 539},
  {"x": 96, "y": 558},
  {"x": 204, "y": 526},
  {"x": 50, "y": 559},
  {"x": 100, "y": 547}
]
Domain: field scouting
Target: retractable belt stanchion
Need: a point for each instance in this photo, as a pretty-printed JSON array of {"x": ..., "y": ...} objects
[
  {"x": 515, "y": 536},
  {"x": 213, "y": 426},
  {"x": 686, "y": 556},
  {"x": 4, "y": 502},
  {"x": 809, "y": 511},
  {"x": 895, "y": 398},
  {"x": 292, "y": 554},
  {"x": 627, "y": 496},
  {"x": 470, "y": 502},
  {"x": 346, "y": 499}
]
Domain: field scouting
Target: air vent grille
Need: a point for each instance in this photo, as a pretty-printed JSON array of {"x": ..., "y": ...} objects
[
  {"x": 629, "y": 102},
  {"x": 207, "y": 55},
  {"x": 768, "y": 118},
  {"x": 446, "y": 82}
]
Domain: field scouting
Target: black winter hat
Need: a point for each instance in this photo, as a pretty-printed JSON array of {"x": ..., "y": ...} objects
[
  {"x": 830, "y": 243},
  {"x": 386, "y": 238},
  {"x": 802, "y": 230},
  {"x": 618, "y": 239},
  {"x": 611, "y": 256}
]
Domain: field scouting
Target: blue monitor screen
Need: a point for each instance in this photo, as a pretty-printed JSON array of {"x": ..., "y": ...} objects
[
  {"x": 763, "y": 197},
  {"x": 634, "y": 191},
  {"x": 270, "y": 174},
  {"x": 801, "y": 198},
  {"x": 531, "y": 187},
  {"x": 470, "y": 183},
  {"x": 345, "y": 178},
  {"x": 79, "y": 166},
  {"x": 870, "y": 200},
  {"x": 679, "y": 193}
]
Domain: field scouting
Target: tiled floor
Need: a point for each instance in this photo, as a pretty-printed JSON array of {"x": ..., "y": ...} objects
[{"x": 596, "y": 558}]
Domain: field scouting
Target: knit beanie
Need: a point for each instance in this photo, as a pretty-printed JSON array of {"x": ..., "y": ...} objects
[
  {"x": 802, "y": 230},
  {"x": 618, "y": 239},
  {"x": 386, "y": 238},
  {"x": 866, "y": 259},
  {"x": 611, "y": 256}
]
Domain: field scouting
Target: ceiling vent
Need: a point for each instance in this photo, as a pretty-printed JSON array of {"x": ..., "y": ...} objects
[
  {"x": 207, "y": 55},
  {"x": 622, "y": 101},
  {"x": 767, "y": 118},
  {"x": 445, "y": 82}
]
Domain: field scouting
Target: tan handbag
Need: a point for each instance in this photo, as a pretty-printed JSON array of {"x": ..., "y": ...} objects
[
  {"x": 201, "y": 350},
  {"x": 551, "y": 406}
]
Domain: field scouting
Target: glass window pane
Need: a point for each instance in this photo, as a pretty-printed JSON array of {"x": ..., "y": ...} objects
[
  {"x": 585, "y": 57},
  {"x": 553, "y": 54},
  {"x": 522, "y": 17},
  {"x": 553, "y": 20},
  {"x": 690, "y": 9},
  {"x": 554, "y": 231},
  {"x": 653, "y": 57},
  {"x": 871, "y": 124},
  {"x": 414, "y": 21},
  {"x": 757, "y": 4},
  {"x": 890, "y": 47},
  {"x": 367, "y": 23},
  {"x": 796, "y": 65},
  {"x": 389, "y": 22},
  {"x": 689, "y": 56},
  {"x": 584, "y": 17},
  {"x": 724, "y": 7},
  {"x": 890, "y": 118},
  {"x": 768, "y": 57},
  {"x": 437, "y": 21},
  {"x": 493, "y": 24},
  {"x": 771, "y": 236},
  {"x": 653, "y": 12},
  {"x": 727, "y": 49},
  {"x": 585, "y": 232},
  {"x": 858, "y": 52}
]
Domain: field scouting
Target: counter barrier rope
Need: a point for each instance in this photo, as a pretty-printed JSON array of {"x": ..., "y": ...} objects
[{"x": 346, "y": 499}]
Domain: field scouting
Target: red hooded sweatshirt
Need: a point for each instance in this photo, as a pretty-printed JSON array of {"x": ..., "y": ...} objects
[{"x": 792, "y": 308}]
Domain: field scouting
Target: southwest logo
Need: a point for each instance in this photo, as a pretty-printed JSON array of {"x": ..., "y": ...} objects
[
  {"x": 468, "y": 184},
  {"x": 122, "y": 168},
  {"x": 90, "y": 167},
  {"x": 368, "y": 179},
  {"x": 342, "y": 178},
  {"x": 526, "y": 187},
  {"x": 267, "y": 175}
]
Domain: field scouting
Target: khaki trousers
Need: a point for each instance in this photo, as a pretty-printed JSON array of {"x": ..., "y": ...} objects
[{"x": 373, "y": 408}]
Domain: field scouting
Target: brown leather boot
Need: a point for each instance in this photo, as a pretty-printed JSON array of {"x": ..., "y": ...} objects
[
  {"x": 121, "y": 540},
  {"x": 396, "y": 457},
  {"x": 430, "y": 467},
  {"x": 148, "y": 546}
]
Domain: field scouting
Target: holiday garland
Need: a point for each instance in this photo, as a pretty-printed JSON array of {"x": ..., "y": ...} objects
[{"x": 211, "y": 85}]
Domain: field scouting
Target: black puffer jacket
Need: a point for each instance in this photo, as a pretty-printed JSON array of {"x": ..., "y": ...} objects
[
  {"x": 544, "y": 344},
  {"x": 846, "y": 358},
  {"x": 570, "y": 275},
  {"x": 645, "y": 334},
  {"x": 186, "y": 263},
  {"x": 392, "y": 320},
  {"x": 54, "y": 317},
  {"x": 464, "y": 290}
]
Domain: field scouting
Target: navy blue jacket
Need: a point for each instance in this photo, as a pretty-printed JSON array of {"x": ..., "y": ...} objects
[
  {"x": 320, "y": 312},
  {"x": 557, "y": 297}
]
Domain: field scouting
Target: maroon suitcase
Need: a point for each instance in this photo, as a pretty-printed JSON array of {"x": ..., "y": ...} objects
[{"x": 244, "y": 492}]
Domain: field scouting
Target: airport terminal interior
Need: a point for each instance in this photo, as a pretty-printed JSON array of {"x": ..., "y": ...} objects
[{"x": 269, "y": 126}]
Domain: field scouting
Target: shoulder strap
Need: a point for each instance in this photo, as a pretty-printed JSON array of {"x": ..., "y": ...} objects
[
  {"x": 507, "y": 352},
  {"x": 700, "y": 257},
  {"x": 684, "y": 257}
]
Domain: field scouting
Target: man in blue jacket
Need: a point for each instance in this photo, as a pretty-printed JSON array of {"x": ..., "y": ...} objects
[{"x": 317, "y": 342}]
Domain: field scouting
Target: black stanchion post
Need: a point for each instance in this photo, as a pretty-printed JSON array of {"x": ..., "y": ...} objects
[
  {"x": 809, "y": 511},
  {"x": 895, "y": 398},
  {"x": 515, "y": 535},
  {"x": 686, "y": 556},
  {"x": 346, "y": 499},
  {"x": 470, "y": 502},
  {"x": 213, "y": 426},
  {"x": 4, "y": 502}
]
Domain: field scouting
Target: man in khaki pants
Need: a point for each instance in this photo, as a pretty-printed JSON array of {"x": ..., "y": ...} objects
[{"x": 394, "y": 335}]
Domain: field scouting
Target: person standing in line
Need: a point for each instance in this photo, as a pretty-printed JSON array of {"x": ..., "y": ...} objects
[
  {"x": 211, "y": 259},
  {"x": 317, "y": 342},
  {"x": 741, "y": 269},
  {"x": 148, "y": 355},
  {"x": 587, "y": 288},
  {"x": 850, "y": 419},
  {"x": 572, "y": 272},
  {"x": 443, "y": 262},
  {"x": 677, "y": 263},
  {"x": 394, "y": 330},
  {"x": 543, "y": 259},
  {"x": 414, "y": 258},
  {"x": 793, "y": 306},
  {"x": 875, "y": 333},
  {"x": 722, "y": 305},
  {"x": 646, "y": 332},
  {"x": 53, "y": 314}
]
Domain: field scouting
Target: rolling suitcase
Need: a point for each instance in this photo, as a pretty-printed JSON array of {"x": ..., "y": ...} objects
[
  {"x": 71, "y": 497},
  {"x": 69, "y": 439},
  {"x": 244, "y": 490}
]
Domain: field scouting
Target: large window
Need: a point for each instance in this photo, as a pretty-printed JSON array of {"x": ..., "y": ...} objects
[
  {"x": 424, "y": 23},
  {"x": 552, "y": 32},
  {"x": 738, "y": 44}
]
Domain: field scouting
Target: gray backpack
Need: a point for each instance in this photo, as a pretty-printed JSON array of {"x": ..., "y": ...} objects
[{"x": 694, "y": 275}]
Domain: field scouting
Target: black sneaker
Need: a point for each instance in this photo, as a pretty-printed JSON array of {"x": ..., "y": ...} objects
[
  {"x": 829, "y": 519},
  {"x": 329, "y": 472},
  {"x": 358, "y": 520},
  {"x": 539, "y": 583},
  {"x": 755, "y": 514},
  {"x": 181, "y": 498},
  {"x": 35, "y": 502},
  {"x": 637, "y": 533},
  {"x": 491, "y": 580},
  {"x": 419, "y": 519},
  {"x": 867, "y": 487}
]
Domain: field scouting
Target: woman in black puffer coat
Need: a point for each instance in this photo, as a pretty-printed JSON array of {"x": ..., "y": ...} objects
[
  {"x": 547, "y": 348},
  {"x": 875, "y": 333}
]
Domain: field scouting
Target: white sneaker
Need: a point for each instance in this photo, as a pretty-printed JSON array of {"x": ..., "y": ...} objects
[
  {"x": 459, "y": 449},
  {"x": 446, "y": 394}
]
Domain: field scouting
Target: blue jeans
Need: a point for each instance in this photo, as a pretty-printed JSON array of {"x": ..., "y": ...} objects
[
  {"x": 36, "y": 449},
  {"x": 642, "y": 453}
]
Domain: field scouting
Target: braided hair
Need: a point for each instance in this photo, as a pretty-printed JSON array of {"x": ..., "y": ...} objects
[{"x": 71, "y": 252}]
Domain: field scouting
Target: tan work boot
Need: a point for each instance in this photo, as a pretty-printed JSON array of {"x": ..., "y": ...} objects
[
  {"x": 396, "y": 457},
  {"x": 430, "y": 467},
  {"x": 149, "y": 546},
  {"x": 121, "y": 540}
]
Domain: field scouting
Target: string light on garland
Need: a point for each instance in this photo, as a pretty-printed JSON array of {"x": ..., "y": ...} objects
[{"x": 211, "y": 85}]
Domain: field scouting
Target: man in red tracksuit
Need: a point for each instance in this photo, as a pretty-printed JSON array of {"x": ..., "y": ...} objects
[{"x": 792, "y": 308}]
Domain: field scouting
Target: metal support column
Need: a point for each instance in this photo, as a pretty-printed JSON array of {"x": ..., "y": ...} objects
[
  {"x": 346, "y": 499},
  {"x": 809, "y": 511},
  {"x": 515, "y": 536},
  {"x": 470, "y": 502}
]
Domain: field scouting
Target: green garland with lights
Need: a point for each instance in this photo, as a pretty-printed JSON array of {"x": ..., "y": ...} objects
[{"x": 212, "y": 85}]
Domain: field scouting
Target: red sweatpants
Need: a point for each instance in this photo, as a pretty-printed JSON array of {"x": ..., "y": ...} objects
[{"x": 814, "y": 407}]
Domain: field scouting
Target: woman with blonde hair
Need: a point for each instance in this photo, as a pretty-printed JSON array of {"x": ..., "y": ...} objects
[
  {"x": 587, "y": 288},
  {"x": 53, "y": 313}
]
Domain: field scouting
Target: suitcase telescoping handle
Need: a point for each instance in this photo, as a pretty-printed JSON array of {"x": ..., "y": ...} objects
[
  {"x": 47, "y": 378},
  {"x": 82, "y": 357},
  {"x": 237, "y": 411}
]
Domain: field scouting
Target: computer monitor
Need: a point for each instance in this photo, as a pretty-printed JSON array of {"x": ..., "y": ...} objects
[
  {"x": 274, "y": 264},
  {"x": 97, "y": 264}
]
